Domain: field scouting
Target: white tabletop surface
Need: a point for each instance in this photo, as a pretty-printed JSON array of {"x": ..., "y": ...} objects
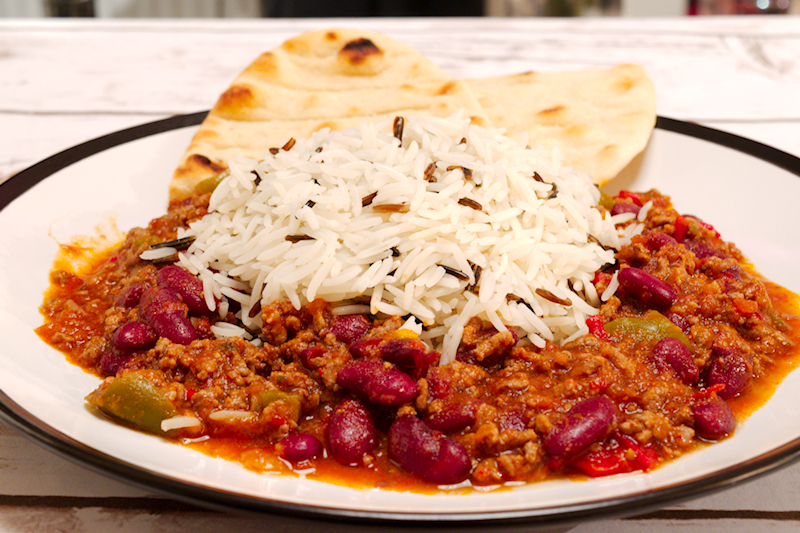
[{"x": 65, "y": 82}]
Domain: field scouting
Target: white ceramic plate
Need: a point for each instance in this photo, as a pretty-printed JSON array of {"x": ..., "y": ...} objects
[{"x": 747, "y": 190}]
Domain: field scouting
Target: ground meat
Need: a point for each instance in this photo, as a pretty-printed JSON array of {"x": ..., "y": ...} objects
[{"x": 501, "y": 401}]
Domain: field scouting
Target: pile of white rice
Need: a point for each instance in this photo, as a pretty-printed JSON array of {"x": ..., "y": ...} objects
[{"x": 293, "y": 227}]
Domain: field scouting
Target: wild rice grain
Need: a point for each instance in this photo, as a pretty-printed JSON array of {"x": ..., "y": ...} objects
[
  {"x": 470, "y": 203},
  {"x": 390, "y": 208},
  {"x": 453, "y": 272},
  {"x": 547, "y": 295},
  {"x": 365, "y": 201},
  {"x": 398, "y": 128},
  {"x": 298, "y": 238}
]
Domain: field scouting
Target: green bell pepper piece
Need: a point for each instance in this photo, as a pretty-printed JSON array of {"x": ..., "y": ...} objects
[
  {"x": 265, "y": 398},
  {"x": 150, "y": 239},
  {"x": 777, "y": 322},
  {"x": 606, "y": 201},
  {"x": 135, "y": 400},
  {"x": 208, "y": 185},
  {"x": 653, "y": 326}
]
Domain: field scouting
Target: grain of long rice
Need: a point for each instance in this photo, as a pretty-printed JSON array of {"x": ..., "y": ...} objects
[{"x": 178, "y": 422}]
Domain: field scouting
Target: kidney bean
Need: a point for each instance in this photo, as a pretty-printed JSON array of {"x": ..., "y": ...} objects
[
  {"x": 162, "y": 310},
  {"x": 656, "y": 241},
  {"x": 646, "y": 288},
  {"x": 729, "y": 368},
  {"x": 625, "y": 207},
  {"x": 586, "y": 423},
  {"x": 350, "y": 432},
  {"x": 702, "y": 250},
  {"x": 311, "y": 353},
  {"x": 365, "y": 348},
  {"x": 672, "y": 353},
  {"x": 512, "y": 419},
  {"x": 734, "y": 273},
  {"x": 185, "y": 285},
  {"x": 175, "y": 327},
  {"x": 349, "y": 328},
  {"x": 714, "y": 419},
  {"x": 370, "y": 378},
  {"x": 680, "y": 321},
  {"x": 112, "y": 361},
  {"x": 403, "y": 352},
  {"x": 299, "y": 447},
  {"x": 134, "y": 336},
  {"x": 454, "y": 417},
  {"x": 129, "y": 297},
  {"x": 154, "y": 300},
  {"x": 429, "y": 454},
  {"x": 466, "y": 355},
  {"x": 412, "y": 355},
  {"x": 438, "y": 387}
]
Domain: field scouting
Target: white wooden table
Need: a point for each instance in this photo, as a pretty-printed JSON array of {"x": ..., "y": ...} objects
[{"x": 64, "y": 82}]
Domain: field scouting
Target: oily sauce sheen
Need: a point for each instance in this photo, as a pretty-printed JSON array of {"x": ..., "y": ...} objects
[
  {"x": 385, "y": 474},
  {"x": 501, "y": 405}
]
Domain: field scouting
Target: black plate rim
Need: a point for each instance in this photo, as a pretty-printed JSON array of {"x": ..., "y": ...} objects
[{"x": 44, "y": 435}]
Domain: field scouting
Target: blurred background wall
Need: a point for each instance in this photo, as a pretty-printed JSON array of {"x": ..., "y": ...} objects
[
  {"x": 299, "y": 8},
  {"x": 258, "y": 8}
]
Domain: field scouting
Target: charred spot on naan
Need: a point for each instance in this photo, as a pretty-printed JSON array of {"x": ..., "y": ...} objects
[
  {"x": 625, "y": 84},
  {"x": 265, "y": 65},
  {"x": 550, "y": 112},
  {"x": 577, "y": 131},
  {"x": 522, "y": 77},
  {"x": 557, "y": 115},
  {"x": 448, "y": 88},
  {"x": 608, "y": 152},
  {"x": 334, "y": 126},
  {"x": 629, "y": 77},
  {"x": 199, "y": 161},
  {"x": 358, "y": 50},
  {"x": 211, "y": 135},
  {"x": 360, "y": 57},
  {"x": 237, "y": 102},
  {"x": 479, "y": 121},
  {"x": 310, "y": 44}
]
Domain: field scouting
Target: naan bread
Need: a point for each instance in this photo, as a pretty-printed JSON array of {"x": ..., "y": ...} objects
[
  {"x": 334, "y": 78},
  {"x": 600, "y": 119}
]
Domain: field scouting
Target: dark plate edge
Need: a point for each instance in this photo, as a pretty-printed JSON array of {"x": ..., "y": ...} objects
[
  {"x": 75, "y": 451},
  {"x": 756, "y": 149},
  {"x": 23, "y": 180}
]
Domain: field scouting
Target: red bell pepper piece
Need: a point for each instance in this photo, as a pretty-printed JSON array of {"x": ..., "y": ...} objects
[
  {"x": 601, "y": 276},
  {"x": 635, "y": 197},
  {"x": 746, "y": 307},
  {"x": 709, "y": 227},
  {"x": 595, "y": 325},
  {"x": 681, "y": 227},
  {"x": 708, "y": 391},
  {"x": 621, "y": 455}
]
